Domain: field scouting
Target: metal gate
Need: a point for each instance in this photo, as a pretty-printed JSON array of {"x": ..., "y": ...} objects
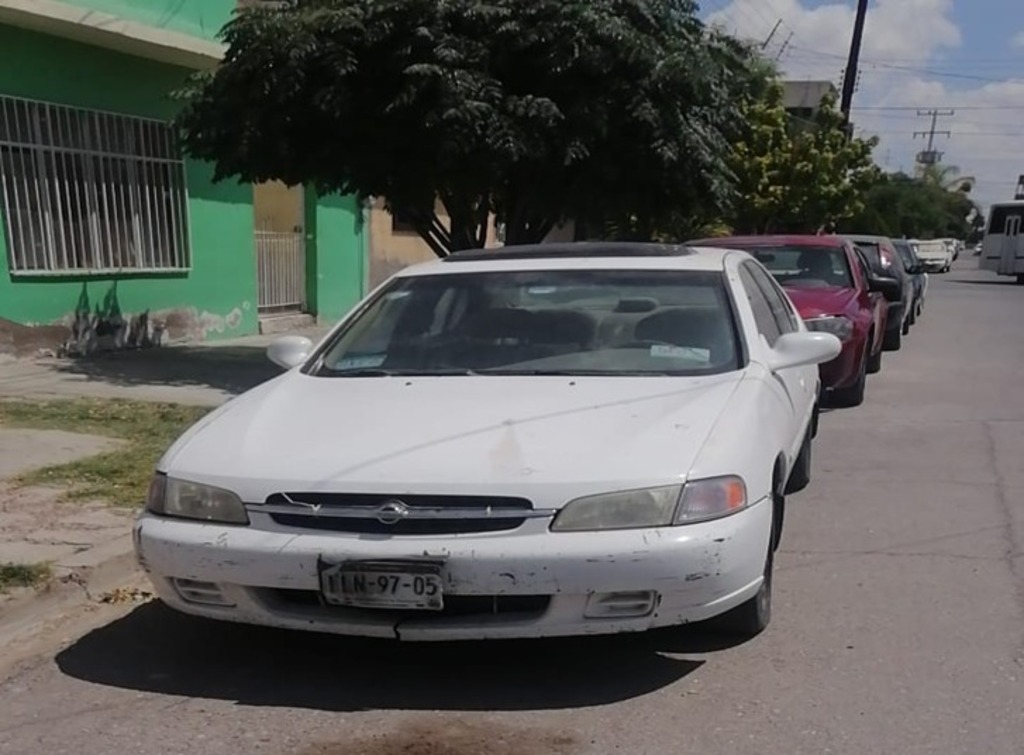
[
  {"x": 281, "y": 270},
  {"x": 280, "y": 247}
]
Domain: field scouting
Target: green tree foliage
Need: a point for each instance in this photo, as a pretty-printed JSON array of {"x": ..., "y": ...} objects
[
  {"x": 794, "y": 176},
  {"x": 925, "y": 207},
  {"x": 609, "y": 111}
]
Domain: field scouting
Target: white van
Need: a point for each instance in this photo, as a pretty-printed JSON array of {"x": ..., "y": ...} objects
[{"x": 1002, "y": 249}]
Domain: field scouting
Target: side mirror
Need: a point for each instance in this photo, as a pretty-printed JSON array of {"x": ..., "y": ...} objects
[
  {"x": 801, "y": 349},
  {"x": 289, "y": 351},
  {"x": 890, "y": 288}
]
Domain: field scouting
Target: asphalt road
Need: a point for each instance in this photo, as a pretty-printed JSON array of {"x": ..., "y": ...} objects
[{"x": 898, "y": 625}]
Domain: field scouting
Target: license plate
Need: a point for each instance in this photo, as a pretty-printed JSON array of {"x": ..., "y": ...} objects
[{"x": 402, "y": 585}]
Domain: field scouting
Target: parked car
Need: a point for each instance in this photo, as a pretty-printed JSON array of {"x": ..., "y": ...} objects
[
  {"x": 565, "y": 439},
  {"x": 934, "y": 254},
  {"x": 884, "y": 261},
  {"x": 916, "y": 270},
  {"x": 834, "y": 293}
]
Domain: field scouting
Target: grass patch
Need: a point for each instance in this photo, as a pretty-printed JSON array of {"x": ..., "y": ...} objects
[
  {"x": 23, "y": 575},
  {"x": 120, "y": 477}
]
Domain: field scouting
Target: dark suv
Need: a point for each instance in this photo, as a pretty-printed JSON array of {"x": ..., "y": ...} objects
[
  {"x": 915, "y": 269},
  {"x": 885, "y": 262}
]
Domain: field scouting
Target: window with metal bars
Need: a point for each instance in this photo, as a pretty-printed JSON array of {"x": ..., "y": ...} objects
[{"x": 86, "y": 191}]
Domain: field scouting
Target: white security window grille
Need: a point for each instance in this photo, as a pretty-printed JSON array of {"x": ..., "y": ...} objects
[{"x": 90, "y": 192}]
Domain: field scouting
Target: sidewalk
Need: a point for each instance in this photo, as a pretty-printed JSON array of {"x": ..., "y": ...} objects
[
  {"x": 196, "y": 374},
  {"x": 89, "y": 544}
]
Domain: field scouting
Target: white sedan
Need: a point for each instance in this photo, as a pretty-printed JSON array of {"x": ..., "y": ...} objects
[{"x": 536, "y": 441}]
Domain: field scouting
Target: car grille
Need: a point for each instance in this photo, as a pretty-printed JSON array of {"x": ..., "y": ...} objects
[
  {"x": 466, "y": 606},
  {"x": 392, "y": 515}
]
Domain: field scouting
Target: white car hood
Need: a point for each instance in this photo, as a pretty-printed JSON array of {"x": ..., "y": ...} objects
[{"x": 453, "y": 435}]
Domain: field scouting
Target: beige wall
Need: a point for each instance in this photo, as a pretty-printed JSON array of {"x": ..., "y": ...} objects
[
  {"x": 390, "y": 251},
  {"x": 277, "y": 207}
]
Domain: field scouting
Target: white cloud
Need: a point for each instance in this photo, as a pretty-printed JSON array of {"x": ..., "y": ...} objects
[{"x": 905, "y": 45}]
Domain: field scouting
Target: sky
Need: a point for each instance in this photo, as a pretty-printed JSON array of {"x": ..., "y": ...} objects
[{"x": 960, "y": 55}]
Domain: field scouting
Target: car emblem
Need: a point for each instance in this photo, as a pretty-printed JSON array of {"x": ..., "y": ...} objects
[{"x": 392, "y": 512}]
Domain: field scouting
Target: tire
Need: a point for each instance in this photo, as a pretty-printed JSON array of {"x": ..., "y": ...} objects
[
  {"x": 906, "y": 325},
  {"x": 893, "y": 340},
  {"x": 848, "y": 398},
  {"x": 1020, "y": 279},
  {"x": 800, "y": 477},
  {"x": 751, "y": 618},
  {"x": 874, "y": 363}
]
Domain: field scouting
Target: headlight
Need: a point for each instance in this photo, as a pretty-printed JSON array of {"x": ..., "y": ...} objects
[
  {"x": 711, "y": 498},
  {"x": 840, "y": 327},
  {"x": 653, "y": 507},
  {"x": 169, "y": 496}
]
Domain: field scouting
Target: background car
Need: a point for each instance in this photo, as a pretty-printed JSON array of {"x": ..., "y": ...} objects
[
  {"x": 553, "y": 440},
  {"x": 885, "y": 262},
  {"x": 934, "y": 255},
  {"x": 834, "y": 293},
  {"x": 916, "y": 270}
]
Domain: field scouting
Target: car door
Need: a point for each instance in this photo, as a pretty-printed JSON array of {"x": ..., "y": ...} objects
[
  {"x": 879, "y": 306},
  {"x": 775, "y": 316}
]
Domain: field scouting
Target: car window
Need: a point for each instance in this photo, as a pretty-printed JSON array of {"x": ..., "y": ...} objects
[
  {"x": 873, "y": 255},
  {"x": 805, "y": 266},
  {"x": 781, "y": 307},
  {"x": 586, "y": 322},
  {"x": 767, "y": 325},
  {"x": 862, "y": 263}
]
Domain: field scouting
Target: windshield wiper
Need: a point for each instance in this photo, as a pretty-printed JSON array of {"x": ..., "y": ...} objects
[
  {"x": 574, "y": 373},
  {"x": 380, "y": 372}
]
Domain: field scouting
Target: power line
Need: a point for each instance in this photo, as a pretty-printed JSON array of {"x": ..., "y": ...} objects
[{"x": 957, "y": 107}]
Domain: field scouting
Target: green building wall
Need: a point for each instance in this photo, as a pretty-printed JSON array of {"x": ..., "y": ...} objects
[
  {"x": 218, "y": 297},
  {"x": 197, "y": 18}
]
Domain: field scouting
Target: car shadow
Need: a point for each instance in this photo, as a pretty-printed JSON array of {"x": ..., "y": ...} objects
[
  {"x": 1002, "y": 281},
  {"x": 234, "y": 369},
  {"x": 154, "y": 649}
]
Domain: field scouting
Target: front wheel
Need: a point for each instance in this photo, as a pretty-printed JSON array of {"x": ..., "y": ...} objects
[
  {"x": 1020, "y": 279},
  {"x": 874, "y": 360},
  {"x": 800, "y": 477},
  {"x": 751, "y": 618},
  {"x": 854, "y": 395},
  {"x": 893, "y": 340}
]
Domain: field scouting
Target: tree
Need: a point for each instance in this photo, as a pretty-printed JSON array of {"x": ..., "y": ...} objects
[
  {"x": 899, "y": 205},
  {"x": 795, "y": 176},
  {"x": 947, "y": 177},
  {"x": 612, "y": 111}
]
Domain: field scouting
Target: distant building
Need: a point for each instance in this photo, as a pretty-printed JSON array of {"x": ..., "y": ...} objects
[{"x": 802, "y": 99}]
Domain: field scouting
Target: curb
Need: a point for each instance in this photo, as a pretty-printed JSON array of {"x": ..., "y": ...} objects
[{"x": 81, "y": 580}]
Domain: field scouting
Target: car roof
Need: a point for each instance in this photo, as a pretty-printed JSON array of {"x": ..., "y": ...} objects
[
  {"x": 855, "y": 237},
  {"x": 799, "y": 239},
  {"x": 577, "y": 256}
]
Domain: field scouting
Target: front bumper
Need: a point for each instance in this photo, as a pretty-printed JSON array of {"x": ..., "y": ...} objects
[
  {"x": 844, "y": 370},
  {"x": 499, "y": 585},
  {"x": 934, "y": 266}
]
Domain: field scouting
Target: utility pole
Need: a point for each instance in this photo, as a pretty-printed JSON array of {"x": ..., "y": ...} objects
[
  {"x": 775, "y": 28},
  {"x": 783, "y": 48},
  {"x": 930, "y": 156},
  {"x": 852, "y": 64}
]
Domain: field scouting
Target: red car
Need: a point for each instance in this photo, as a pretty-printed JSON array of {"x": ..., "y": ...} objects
[{"x": 834, "y": 290}]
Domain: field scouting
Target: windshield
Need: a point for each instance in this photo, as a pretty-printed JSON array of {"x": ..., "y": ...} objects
[
  {"x": 874, "y": 254},
  {"x": 906, "y": 253},
  {"x": 806, "y": 266},
  {"x": 552, "y": 322}
]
